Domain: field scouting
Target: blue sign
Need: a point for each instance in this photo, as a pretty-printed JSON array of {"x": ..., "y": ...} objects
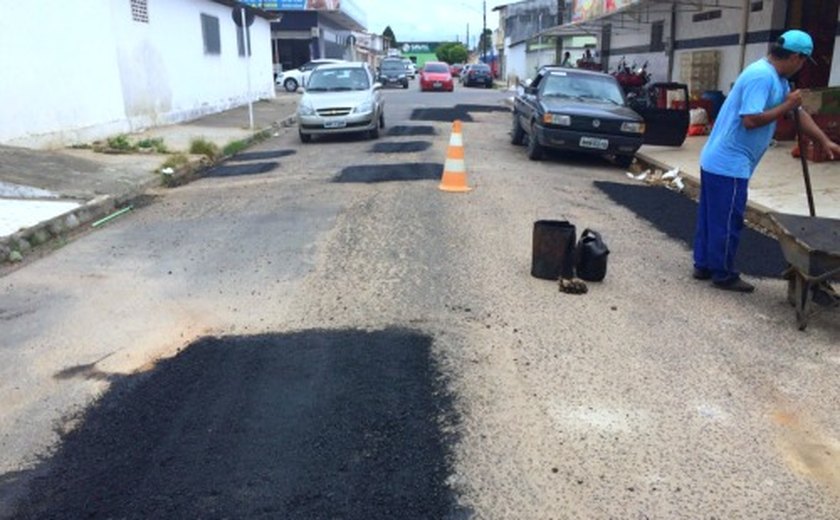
[{"x": 278, "y": 5}]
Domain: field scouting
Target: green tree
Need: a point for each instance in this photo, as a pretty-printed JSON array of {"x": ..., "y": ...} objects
[
  {"x": 452, "y": 53},
  {"x": 389, "y": 33}
]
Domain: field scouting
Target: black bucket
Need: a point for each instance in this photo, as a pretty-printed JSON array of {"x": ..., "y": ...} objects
[{"x": 553, "y": 249}]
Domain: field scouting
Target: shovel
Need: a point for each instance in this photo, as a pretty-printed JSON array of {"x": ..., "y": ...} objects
[{"x": 803, "y": 160}]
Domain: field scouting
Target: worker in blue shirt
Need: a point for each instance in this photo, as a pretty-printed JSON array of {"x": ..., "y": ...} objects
[{"x": 742, "y": 133}]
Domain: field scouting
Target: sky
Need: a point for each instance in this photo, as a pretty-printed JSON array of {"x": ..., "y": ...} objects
[{"x": 429, "y": 20}]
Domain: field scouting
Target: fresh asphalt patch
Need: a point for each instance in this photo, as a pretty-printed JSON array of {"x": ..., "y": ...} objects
[
  {"x": 261, "y": 156},
  {"x": 676, "y": 215},
  {"x": 234, "y": 170},
  {"x": 401, "y": 147},
  {"x": 449, "y": 114},
  {"x": 391, "y": 172},
  {"x": 343, "y": 424},
  {"x": 411, "y": 130}
]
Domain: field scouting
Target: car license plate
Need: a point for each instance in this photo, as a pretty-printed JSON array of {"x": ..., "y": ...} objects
[
  {"x": 438, "y": 84},
  {"x": 594, "y": 142},
  {"x": 335, "y": 124}
]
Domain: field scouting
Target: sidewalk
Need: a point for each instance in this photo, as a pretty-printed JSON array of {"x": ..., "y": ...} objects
[
  {"x": 45, "y": 194},
  {"x": 777, "y": 184}
]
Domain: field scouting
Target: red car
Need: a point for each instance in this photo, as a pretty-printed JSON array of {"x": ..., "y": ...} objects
[
  {"x": 455, "y": 69},
  {"x": 436, "y": 76}
]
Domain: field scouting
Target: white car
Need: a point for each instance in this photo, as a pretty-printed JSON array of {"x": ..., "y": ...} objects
[
  {"x": 292, "y": 79},
  {"x": 341, "y": 98},
  {"x": 410, "y": 68}
]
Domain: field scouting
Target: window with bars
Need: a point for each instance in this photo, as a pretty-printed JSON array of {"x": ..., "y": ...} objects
[
  {"x": 708, "y": 15},
  {"x": 210, "y": 34},
  {"x": 657, "y": 33},
  {"x": 140, "y": 11}
]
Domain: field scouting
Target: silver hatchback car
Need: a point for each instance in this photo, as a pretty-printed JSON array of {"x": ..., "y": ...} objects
[{"x": 341, "y": 98}]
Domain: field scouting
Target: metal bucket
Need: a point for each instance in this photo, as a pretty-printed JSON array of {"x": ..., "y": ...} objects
[{"x": 553, "y": 249}]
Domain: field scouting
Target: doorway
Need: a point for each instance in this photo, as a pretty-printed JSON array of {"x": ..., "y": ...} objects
[{"x": 819, "y": 19}]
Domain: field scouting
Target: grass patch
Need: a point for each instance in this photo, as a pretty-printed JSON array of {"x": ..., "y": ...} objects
[
  {"x": 120, "y": 143},
  {"x": 234, "y": 147},
  {"x": 175, "y": 161},
  {"x": 155, "y": 144},
  {"x": 204, "y": 147}
]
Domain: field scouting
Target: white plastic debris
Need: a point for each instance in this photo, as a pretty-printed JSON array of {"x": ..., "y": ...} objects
[
  {"x": 167, "y": 171},
  {"x": 678, "y": 182},
  {"x": 671, "y": 174}
]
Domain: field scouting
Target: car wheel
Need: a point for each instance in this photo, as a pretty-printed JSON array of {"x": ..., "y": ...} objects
[
  {"x": 405, "y": 85},
  {"x": 535, "y": 149},
  {"x": 290, "y": 85},
  {"x": 517, "y": 134},
  {"x": 624, "y": 161},
  {"x": 304, "y": 138},
  {"x": 382, "y": 120},
  {"x": 373, "y": 133}
]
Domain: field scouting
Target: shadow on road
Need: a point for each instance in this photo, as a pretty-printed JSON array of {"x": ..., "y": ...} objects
[
  {"x": 317, "y": 424},
  {"x": 675, "y": 215}
]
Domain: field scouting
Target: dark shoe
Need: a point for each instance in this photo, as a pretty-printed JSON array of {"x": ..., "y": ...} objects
[
  {"x": 702, "y": 274},
  {"x": 735, "y": 284}
]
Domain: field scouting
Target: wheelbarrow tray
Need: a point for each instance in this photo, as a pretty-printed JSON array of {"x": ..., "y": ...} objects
[{"x": 811, "y": 245}]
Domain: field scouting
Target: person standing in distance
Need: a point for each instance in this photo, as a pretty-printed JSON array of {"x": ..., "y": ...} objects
[{"x": 740, "y": 136}]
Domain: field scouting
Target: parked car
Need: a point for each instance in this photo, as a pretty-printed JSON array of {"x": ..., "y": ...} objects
[
  {"x": 294, "y": 78},
  {"x": 410, "y": 68},
  {"x": 455, "y": 69},
  {"x": 571, "y": 109},
  {"x": 435, "y": 76},
  {"x": 341, "y": 98},
  {"x": 478, "y": 74},
  {"x": 392, "y": 72}
]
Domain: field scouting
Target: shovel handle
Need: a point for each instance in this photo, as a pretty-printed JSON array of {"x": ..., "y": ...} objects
[{"x": 808, "y": 191}]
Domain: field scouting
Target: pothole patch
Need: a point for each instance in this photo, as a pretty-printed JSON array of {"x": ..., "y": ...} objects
[
  {"x": 411, "y": 130},
  {"x": 261, "y": 156},
  {"x": 676, "y": 215},
  {"x": 449, "y": 114},
  {"x": 401, "y": 147},
  {"x": 391, "y": 172},
  {"x": 235, "y": 170}
]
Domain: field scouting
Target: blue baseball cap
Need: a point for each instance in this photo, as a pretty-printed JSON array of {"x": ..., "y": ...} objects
[{"x": 797, "y": 41}]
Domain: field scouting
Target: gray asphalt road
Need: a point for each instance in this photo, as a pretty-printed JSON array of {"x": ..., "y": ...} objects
[{"x": 398, "y": 328}]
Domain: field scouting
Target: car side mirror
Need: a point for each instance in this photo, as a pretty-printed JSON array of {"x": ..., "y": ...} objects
[{"x": 377, "y": 86}]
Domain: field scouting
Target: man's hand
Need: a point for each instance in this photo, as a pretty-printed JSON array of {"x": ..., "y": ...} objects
[
  {"x": 793, "y": 100},
  {"x": 832, "y": 149}
]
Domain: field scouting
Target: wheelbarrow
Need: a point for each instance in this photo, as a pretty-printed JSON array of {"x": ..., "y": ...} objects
[{"x": 811, "y": 246}]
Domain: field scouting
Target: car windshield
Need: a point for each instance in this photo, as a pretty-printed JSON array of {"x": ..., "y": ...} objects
[
  {"x": 436, "y": 67},
  {"x": 584, "y": 87},
  {"x": 481, "y": 68},
  {"x": 330, "y": 80},
  {"x": 393, "y": 66}
]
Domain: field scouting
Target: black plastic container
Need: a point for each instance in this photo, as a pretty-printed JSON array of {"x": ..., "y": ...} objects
[
  {"x": 553, "y": 249},
  {"x": 592, "y": 256}
]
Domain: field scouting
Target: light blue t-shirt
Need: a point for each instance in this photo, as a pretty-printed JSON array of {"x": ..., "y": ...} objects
[{"x": 732, "y": 150}]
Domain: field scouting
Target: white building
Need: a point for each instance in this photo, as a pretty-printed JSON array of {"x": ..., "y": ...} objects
[{"x": 74, "y": 72}]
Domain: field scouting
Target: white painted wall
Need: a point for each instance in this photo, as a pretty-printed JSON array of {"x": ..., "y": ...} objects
[
  {"x": 90, "y": 72},
  {"x": 516, "y": 61}
]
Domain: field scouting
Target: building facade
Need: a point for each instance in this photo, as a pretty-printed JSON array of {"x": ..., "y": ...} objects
[
  {"x": 105, "y": 67},
  {"x": 707, "y": 44}
]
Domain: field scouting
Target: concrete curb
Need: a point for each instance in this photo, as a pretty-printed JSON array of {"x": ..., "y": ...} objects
[{"x": 16, "y": 246}]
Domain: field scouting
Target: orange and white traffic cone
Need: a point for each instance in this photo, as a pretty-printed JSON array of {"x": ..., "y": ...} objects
[{"x": 454, "y": 171}]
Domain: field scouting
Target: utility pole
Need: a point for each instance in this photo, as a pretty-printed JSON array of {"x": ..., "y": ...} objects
[
  {"x": 558, "y": 41},
  {"x": 484, "y": 31},
  {"x": 468, "y": 39}
]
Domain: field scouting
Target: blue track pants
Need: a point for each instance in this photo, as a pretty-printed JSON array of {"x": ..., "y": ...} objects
[{"x": 720, "y": 219}]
